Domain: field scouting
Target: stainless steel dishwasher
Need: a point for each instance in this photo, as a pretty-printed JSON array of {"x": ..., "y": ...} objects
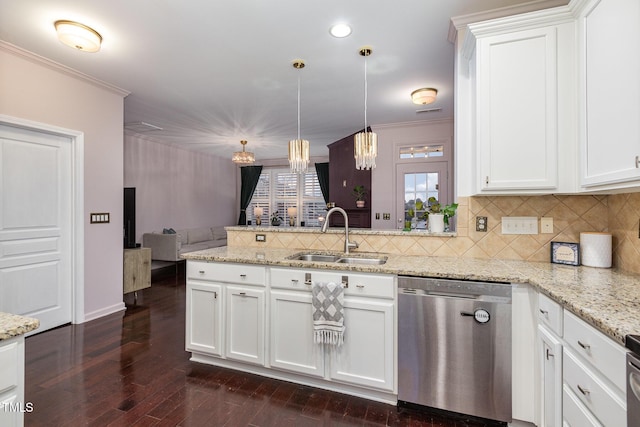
[{"x": 454, "y": 346}]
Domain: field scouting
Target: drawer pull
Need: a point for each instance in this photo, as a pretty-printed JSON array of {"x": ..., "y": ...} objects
[
  {"x": 244, "y": 294},
  {"x": 637, "y": 162},
  {"x": 583, "y": 390},
  {"x": 583, "y": 345},
  {"x": 294, "y": 281},
  {"x": 243, "y": 276},
  {"x": 201, "y": 271},
  {"x": 215, "y": 295},
  {"x": 544, "y": 312},
  {"x": 359, "y": 286},
  {"x": 549, "y": 354}
]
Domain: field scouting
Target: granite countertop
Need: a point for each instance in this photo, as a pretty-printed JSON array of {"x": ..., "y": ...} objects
[
  {"x": 606, "y": 298},
  {"x": 12, "y": 325}
]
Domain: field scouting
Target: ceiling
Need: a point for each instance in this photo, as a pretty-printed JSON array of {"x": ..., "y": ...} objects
[{"x": 213, "y": 72}]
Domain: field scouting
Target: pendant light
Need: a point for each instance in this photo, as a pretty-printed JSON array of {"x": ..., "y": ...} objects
[
  {"x": 365, "y": 144},
  {"x": 298, "y": 148},
  {"x": 243, "y": 157}
]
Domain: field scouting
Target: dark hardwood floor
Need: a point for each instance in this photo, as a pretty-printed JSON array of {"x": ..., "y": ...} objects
[{"x": 131, "y": 369}]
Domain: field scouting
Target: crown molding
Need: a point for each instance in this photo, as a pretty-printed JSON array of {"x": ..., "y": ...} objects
[{"x": 41, "y": 60}]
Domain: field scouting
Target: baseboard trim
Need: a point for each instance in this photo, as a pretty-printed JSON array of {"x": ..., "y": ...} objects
[{"x": 104, "y": 312}]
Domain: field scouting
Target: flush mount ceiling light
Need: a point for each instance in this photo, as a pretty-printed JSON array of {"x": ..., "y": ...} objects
[
  {"x": 365, "y": 144},
  {"x": 424, "y": 96},
  {"x": 78, "y": 36},
  {"x": 243, "y": 157},
  {"x": 340, "y": 30},
  {"x": 298, "y": 148}
]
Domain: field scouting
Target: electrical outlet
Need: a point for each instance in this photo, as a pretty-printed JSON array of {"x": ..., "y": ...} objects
[
  {"x": 261, "y": 237},
  {"x": 546, "y": 225},
  {"x": 481, "y": 223},
  {"x": 386, "y": 216}
]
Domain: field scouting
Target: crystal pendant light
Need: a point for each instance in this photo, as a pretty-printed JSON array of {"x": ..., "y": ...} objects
[
  {"x": 365, "y": 144},
  {"x": 243, "y": 157},
  {"x": 298, "y": 148}
]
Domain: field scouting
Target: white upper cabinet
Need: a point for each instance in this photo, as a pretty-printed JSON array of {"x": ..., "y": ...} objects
[
  {"x": 609, "y": 36},
  {"x": 517, "y": 103},
  {"x": 518, "y": 134}
]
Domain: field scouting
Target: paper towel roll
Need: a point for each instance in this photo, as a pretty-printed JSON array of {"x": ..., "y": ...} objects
[{"x": 595, "y": 249}]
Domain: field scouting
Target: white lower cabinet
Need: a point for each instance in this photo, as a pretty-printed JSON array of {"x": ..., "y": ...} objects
[
  {"x": 291, "y": 340},
  {"x": 12, "y": 404},
  {"x": 245, "y": 324},
  {"x": 551, "y": 378},
  {"x": 366, "y": 358},
  {"x": 204, "y": 318}
]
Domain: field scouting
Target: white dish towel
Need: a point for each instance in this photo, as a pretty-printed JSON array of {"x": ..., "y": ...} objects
[{"x": 328, "y": 313}]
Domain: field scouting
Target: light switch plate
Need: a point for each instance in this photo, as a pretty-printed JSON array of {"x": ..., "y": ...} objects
[{"x": 519, "y": 225}]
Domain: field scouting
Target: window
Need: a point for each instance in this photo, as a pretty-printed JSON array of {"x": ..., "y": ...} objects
[
  {"x": 279, "y": 190},
  {"x": 420, "y": 152}
]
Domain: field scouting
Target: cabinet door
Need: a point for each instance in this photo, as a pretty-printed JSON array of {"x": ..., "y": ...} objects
[
  {"x": 517, "y": 110},
  {"x": 610, "y": 32},
  {"x": 245, "y": 321},
  {"x": 204, "y": 318},
  {"x": 367, "y": 356},
  {"x": 551, "y": 370},
  {"x": 291, "y": 334}
]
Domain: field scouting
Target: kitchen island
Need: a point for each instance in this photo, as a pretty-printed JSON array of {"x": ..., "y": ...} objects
[{"x": 12, "y": 404}]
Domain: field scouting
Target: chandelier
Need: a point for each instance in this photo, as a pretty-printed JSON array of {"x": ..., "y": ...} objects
[
  {"x": 243, "y": 157},
  {"x": 365, "y": 144},
  {"x": 298, "y": 148}
]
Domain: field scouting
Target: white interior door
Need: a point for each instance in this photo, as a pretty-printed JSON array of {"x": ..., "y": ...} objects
[
  {"x": 35, "y": 225},
  {"x": 416, "y": 183}
]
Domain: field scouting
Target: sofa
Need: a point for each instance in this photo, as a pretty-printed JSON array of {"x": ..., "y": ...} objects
[{"x": 169, "y": 245}]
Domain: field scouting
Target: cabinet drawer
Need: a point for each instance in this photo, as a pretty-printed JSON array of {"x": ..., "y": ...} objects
[
  {"x": 550, "y": 314},
  {"x": 599, "y": 350},
  {"x": 607, "y": 405},
  {"x": 8, "y": 366},
  {"x": 224, "y": 272},
  {"x": 574, "y": 413},
  {"x": 287, "y": 278}
]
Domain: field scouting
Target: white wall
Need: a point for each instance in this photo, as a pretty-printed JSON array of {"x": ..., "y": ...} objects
[
  {"x": 35, "y": 89},
  {"x": 176, "y": 188},
  {"x": 383, "y": 177}
]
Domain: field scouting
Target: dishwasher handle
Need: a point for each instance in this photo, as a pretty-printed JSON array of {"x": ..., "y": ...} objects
[{"x": 480, "y": 315}]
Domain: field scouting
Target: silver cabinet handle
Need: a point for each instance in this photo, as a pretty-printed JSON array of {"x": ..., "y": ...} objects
[
  {"x": 201, "y": 271},
  {"x": 637, "y": 162},
  {"x": 544, "y": 312},
  {"x": 359, "y": 286},
  {"x": 244, "y": 294},
  {"x": 294, "y": 281},
  {"x": 243, "y": 276},
  {"x": 583, "y": 345},
  {"x": 549, "y": 354},
  {"x": 215, "y": 295},
  {"x": 583, "y": 390}
]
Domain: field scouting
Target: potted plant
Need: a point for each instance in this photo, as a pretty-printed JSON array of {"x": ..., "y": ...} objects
[
  {"x": 359, "y": 193},
  {"x": 276, "y": 219},
  {"x": 438, "y": 215}
]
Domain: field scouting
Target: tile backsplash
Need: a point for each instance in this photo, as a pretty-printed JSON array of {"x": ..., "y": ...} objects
[{"x": 618, "y": 214}]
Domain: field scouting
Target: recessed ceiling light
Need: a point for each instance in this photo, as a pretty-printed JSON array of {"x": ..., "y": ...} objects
[{"x": 340, "y": 30}]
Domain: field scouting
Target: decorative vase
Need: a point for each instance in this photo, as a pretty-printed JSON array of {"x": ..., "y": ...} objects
[
  {"x": 360, "y": 203},
  {"x": 436, "y": 223},
  {"x": 275, "y": 222}
]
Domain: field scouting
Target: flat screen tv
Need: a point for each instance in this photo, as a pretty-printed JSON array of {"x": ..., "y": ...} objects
[{"x": 129, "y": 217}]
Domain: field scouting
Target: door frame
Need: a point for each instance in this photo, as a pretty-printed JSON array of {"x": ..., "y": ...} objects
[{"x": 77, "y": 204}]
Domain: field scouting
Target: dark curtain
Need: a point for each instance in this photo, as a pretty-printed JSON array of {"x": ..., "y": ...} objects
[
  {"x": 249, "y": 176},
  {"x": 322, "y": 170}
]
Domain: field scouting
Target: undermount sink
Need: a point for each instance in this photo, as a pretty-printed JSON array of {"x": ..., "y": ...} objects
[
  {"x": 367, "y": 261},
  {"x": 316, "y": 257},
  {"x": 340, "y": 259}
]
